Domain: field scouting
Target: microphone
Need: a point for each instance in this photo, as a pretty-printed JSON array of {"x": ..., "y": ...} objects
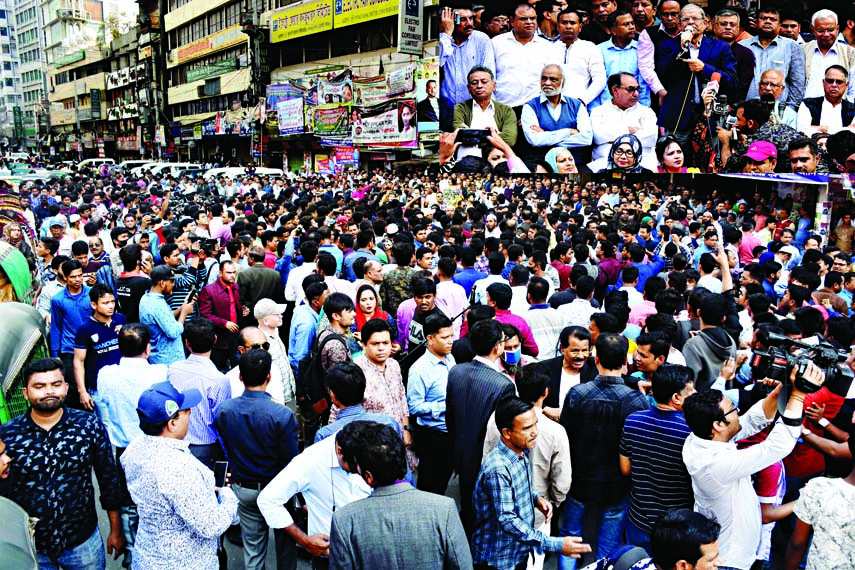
[
  {"x": 688, "y": 33},
  {"x": 712, "y": 86}
]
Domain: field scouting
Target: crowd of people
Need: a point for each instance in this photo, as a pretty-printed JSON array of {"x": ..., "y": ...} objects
[
  {"x": 322, "y": 356},
  {"x": 627, "y": 86}
]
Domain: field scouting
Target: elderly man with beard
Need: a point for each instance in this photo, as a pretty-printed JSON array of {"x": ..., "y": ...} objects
[
  {"x": 58, "y": 448},
  {"x": 551, "y": 119}
]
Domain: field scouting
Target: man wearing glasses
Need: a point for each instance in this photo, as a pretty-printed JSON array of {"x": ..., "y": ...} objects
[
  {"x": 551, "y": 119},
  {"x": 685, "y": 64},
  {"x": 624, "y": 115},
  {"x": 721, "y": 473},
  {"x": 831, "y": 112},
  {"x": 771, "y": 87}
]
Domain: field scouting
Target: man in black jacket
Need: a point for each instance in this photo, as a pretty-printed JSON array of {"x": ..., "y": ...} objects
[{"x": 571, "y": 368}]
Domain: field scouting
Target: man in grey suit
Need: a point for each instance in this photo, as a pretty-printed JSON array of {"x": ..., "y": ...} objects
[
  {"x": 474, "y": 389},
  {"x": 409, "y": 529}
]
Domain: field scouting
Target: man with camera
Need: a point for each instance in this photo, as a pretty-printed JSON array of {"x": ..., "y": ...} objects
[
  {"x": 482, "y": 111},
  {"x": 461, "y": 46},
  {"x": 721, "y": 473},
  {"x": 753, "y": 123}
]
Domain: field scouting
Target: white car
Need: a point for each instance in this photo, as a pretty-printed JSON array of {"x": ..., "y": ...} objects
[
  {"x": 95, "y": 162},
  {"x": 171, "y": 168},
  {"x": 18, "y": 156},
  {"x": 129, "y": 165},
  {"x": 138, "y": 170}
]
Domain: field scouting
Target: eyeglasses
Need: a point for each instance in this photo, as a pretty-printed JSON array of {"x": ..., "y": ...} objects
[
  {"x": 622, "y": 152},
  {"x": 769, "y": 84},
  {"x": 262, "y": 346},
  {"x": 691, "y": 19},
  {"x": 723, "y": 417},
  {"x": 835, "y": 81},
  {"x": 631, "y": 89}
]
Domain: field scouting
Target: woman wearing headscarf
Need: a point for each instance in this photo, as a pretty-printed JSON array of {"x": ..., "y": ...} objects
[
  {"x": 561, "y": 161},
  {"x": 367, "y": 308},
  {"x": 13, "y": 234},
  {"x": 625, "y": 156}
]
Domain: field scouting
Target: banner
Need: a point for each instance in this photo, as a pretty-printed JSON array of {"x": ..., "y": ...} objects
[
  {"x": 401, "y": 81},
  {"x": 337, "y": 89},
  {"x": 303, "y": 20},
  {"x": 370, "y": 90},
  {"x": 290, "y": 116},
  {"x": 427, "y": 95},
  {"x": 324, "y": 164},
  {"x": 277, "y": 93},
  {"x": 391, "y": 124},
  {"x": 349, "y": 12},
  {"x": 332, "y": 120},
  {"x": 347, "y": 155}
]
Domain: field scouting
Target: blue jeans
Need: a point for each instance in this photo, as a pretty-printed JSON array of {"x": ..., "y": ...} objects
[
  {"x": 89, "y": 555},
  {"x": 637, "y": 537},
  {"x": 610, "y": 523}
]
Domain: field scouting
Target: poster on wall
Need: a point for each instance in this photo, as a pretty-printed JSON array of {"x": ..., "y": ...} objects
[
  {"x": 333, "y": 120},
  {"x": 427, "y": 95},
  {"x": 346, "y": 155},
  {"x": 370, "y": 90},
  {"x": 336, "y": 89},
  {"x": 290, "y": 116},
  {"x": 277, "y": 93},
  {"x": 324, "y": 164},
  {"x": 401, "y": 81},
  {"x": 392, "y": 123}
]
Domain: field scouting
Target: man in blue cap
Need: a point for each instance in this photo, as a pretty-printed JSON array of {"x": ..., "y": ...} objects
[{"x": 182, "y": 514}]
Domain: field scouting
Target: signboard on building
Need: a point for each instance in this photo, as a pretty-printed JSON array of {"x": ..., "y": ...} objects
[
  {"x": 303, "y": 20},
  {"x": 19, "y": 122},
  {"x": 290, "y": 116},
  {"x": 349, "y": 12},
  {"x": 95, "y": 103},
  {"x": 347, "y": 155},
  {"x": 125, "y": 76},
  {"x": 324, "y": 164},
  {"x": 223, "y": 39},
  {"x": 334, "y": 120},
  {"x": 410, "y": 27},
  {"x": 218, "y": 68},
  {"x": 70, "y": 58}
]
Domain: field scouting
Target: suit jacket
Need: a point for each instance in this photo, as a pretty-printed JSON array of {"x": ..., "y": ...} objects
[
  {"x": 214, "y": 305},
  {"x": 678, "y": 80},
  {"x": 474, "y": 389},
  {"x": 555, "y": 367},
  {"x": 744, "y": 73},
  {"x": 425, "y": 111},
  {"x": 395, "y": 539},
  {"x": 258, "y": 282},
  {"x": 506, "y": 119}
]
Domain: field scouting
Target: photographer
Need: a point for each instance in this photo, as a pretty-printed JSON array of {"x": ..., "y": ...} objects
[
  {"x": 721, "y": 474},
  {"x": 501, "y": 156}
]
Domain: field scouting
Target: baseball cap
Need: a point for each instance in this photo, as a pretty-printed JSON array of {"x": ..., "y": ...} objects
[
  {"x": 162, "y": 273},
  {"x": 58, "y": 221},
  {"x": 162, "y": 401},
  {"x": 761, "y": 150},
  {"x": 792, "y": 251},
  {"x": 266, "y": 307}
]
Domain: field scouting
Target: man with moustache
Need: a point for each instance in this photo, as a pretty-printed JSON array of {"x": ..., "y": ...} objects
[
  {"x": 804, "y": 156},
  {"x": 551, "y": 119},
  {"x": 59, "y": 447},
  {"x": 580, "y": 59},
  {"x": 461, "y": 47},
  {"x": 725, "y": 27},
  {"x": 831, "y": 112},
  {"x": 495, "y": 21},
  {"x": 482, "y": 111}
]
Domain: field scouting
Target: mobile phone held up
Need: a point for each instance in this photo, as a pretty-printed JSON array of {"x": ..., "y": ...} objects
[
  {"x": 472, "y": 137},
  {"x": 220, "y": 470}
]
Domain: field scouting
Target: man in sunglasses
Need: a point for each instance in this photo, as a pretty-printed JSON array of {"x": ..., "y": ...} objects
[
  {"x": 721, "y": 473},
  {"x": 831, "y": 112}
]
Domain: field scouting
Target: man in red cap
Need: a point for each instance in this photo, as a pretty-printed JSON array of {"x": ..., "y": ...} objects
[{"x": 760, "y": 158}]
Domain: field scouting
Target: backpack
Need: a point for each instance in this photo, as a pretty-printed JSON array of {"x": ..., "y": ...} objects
[{"x": 312, "y": 394}]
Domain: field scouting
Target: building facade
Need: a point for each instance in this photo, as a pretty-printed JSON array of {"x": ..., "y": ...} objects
[{"x": 11, "y": 117}]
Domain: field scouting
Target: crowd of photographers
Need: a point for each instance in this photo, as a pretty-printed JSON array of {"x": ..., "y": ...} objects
[
  {"x": 631, "y": 351},
  {"x": 625, "y": 86}
]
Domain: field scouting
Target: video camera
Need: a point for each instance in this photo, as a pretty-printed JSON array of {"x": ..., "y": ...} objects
[
  {"x": 721, "y": 112},
  {"x": 777, "y": 363}
]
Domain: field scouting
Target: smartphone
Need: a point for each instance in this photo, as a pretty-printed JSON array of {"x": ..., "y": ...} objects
[
  {"x": 456, "y": 18},
  {"x": 220, "y": 469},
  {"x": 191, "y": 294},
  {"x": 472, "y": 137}
]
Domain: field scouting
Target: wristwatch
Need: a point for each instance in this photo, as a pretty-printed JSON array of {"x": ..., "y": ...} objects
[
  {"x": 792, "y": 422},
  {"x": 408, "y": 428}
]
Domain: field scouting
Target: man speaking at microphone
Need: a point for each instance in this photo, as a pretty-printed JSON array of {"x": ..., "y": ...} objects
[{"x": 685, "y": 64}]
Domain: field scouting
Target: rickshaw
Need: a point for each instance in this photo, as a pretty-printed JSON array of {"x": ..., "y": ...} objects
[{"x": 24, "y": 339}]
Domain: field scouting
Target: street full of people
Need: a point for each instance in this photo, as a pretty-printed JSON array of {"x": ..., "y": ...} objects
[{"x": 650, "y": 374}]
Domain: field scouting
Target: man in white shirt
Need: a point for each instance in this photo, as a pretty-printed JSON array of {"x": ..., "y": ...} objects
[
  {"x": 520, "y": 55},
  {"x": 770, "y": 88},
  {"x": 294, "y": 286},
  {"x": 825, "y": 51},
  {"x": 582, "y": 62},
  {"x": 622, "y": 115},
  {"x": 325, "y": 474},
  {"x": 831, "y": 112},
  {"x": 721, "y": 474},
  {"x": 551, "y": 119}
]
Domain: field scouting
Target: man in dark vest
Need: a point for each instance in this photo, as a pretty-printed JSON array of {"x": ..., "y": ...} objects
[
  {"x": 831, "y": 112},
  {"x": 551, "y": 119}
]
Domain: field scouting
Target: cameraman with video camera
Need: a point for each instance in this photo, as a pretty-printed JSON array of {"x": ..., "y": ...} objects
[{"x": 721, "y": 473}]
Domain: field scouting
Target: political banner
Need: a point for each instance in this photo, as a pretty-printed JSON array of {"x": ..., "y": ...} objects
[
  {"x": 427, "y": 94},
  {"x": 370, "y": 90},
  {"x": 346, "y": 155},
  {"x": 290, "y": 116},
  {"x": 333, "y": 120},
  {"x": 303, "y": 20},
  {"x": 401, "y": 81},
  {"x": 392, "y": 123},
  {"x": 349, "y": 12},
  {"x": 337, "y": 89},
  {"x": 324, "y": 164}
]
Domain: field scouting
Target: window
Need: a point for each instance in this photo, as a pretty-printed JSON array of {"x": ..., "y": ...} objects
[
  {"x": 7, "y": 66},
  {"x": 4, "y": 31},
  {"x": 9, "y": 83}
]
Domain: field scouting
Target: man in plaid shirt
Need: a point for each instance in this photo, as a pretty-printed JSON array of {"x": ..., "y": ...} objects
[{"x": 504, "y": 498}]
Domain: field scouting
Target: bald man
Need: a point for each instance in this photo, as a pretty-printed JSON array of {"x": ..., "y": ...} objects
[{"x": 770, "y": 87}]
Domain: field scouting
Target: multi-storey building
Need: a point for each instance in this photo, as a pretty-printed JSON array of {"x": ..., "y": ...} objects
[
  {"x": 31, "y": 56},
  {"x": 11, "y": 121}
]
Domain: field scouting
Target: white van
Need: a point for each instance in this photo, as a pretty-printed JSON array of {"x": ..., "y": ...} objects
[
  {"x": 172, "y": 168},
  {"x": 95, "y": 162},
  {"x": 127, "y": 165}
]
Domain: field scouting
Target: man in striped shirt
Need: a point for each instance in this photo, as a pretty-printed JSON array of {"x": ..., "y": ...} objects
[{"x": 651, "y": 454}]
